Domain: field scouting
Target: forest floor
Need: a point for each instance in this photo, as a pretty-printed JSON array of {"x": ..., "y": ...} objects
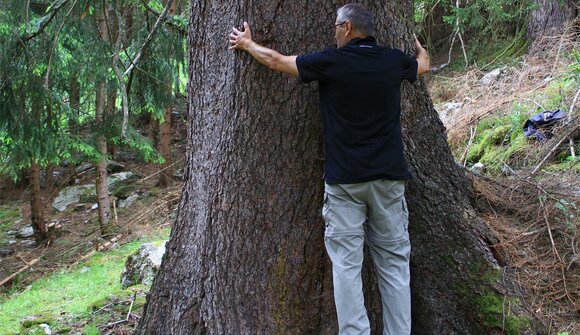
[{"x": 531, "y": 203}]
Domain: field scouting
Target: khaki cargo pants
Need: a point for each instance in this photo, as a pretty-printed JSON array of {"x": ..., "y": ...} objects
[{"x": 380, "y": 204}]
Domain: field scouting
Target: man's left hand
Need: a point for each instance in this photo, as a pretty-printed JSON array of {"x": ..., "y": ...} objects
[{"x": 241, "y": 39}]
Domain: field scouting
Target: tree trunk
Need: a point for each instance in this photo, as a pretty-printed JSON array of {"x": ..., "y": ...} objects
[
  {"x": 101, "y": 165},
  {"x": 164, "y": 147},
  {"x": 36, "y": 217},
  {"x": 246, "y": 253},
  {"x": 111, "y": 109},
  {"x": 104, "y": 209},
  {"x": 75, "y": 103},
  {"x": 550, "y": 14}
]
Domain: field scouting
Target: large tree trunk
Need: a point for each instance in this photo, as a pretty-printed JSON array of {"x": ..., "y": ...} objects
[
  {"x": 246, "y": 253},
  {"x": 550, "y": 14}
]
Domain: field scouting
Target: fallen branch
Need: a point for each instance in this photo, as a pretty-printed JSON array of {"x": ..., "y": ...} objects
[
  {"x": 554, "y": 149},
  {"x": 26, "y": 267}
]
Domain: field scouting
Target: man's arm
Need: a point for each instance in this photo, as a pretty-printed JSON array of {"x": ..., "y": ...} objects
[
  {"x": 242, "y": 40},
  {"x": 422, "y": 58}
]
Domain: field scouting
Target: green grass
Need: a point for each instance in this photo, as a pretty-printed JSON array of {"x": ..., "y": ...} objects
[
  {"x": 8, "y": 215},
  {"x": 500, "y": 139},
  {"x": 73, "y": 293}
]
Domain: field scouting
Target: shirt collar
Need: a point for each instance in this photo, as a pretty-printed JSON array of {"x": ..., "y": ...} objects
[{"x": 366, "y": 42}]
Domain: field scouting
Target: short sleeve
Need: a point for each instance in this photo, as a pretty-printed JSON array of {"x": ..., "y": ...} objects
[
  {"x": 409, "y": 67},
  {"x": 315, "y": 66}
]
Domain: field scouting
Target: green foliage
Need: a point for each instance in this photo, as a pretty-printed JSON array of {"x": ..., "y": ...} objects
[
  {"x": 37, "y": 119},
  {"x": 68, "y": 292},
  {"x": 91, "y": 329},
  {"x": 488, "y": 26}
]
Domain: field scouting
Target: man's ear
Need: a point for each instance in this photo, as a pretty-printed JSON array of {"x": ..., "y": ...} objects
[{"x": 348, "y": 27}]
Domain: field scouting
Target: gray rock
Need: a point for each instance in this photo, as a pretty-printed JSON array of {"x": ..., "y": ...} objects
[
  {"x": 94, "y": 206},
  {"x": 129, "y": 201},
  {"x": 493, "y": 76},
  {"x": 113, "y": 167},
  {"x": 11, "y": 242},
  {"x": 478, "y": 168},
  {"x": 28, "y": 243},
  {"x": 448, "y": 110},
  {"x": 12, "y": 232},
  {"x": 142, "y": 266},
  {"x": 115, "y": 179},
  {"x": 84, "y": 167},
  {"x": 6, "y": 252},
  {"x": 72, "y": 195},
  {"x": 25, "y": 232}
]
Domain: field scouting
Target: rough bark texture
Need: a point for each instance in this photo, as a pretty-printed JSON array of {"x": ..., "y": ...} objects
[
  {"x": 550, "y": 14},
  {"x": 36, "y": 217},
  {"x": 104, "y": 209},
  {"x": 246, "y": 253}
]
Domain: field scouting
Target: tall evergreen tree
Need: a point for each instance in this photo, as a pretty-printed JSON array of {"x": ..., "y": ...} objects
[{"x": 246, "y": 252}]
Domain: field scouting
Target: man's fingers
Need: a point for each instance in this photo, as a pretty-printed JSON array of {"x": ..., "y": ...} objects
[{"x": 236, "y": 31}]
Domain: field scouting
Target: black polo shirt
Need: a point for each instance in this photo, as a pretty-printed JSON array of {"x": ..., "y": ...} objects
[{"x": 360, "y": 104}]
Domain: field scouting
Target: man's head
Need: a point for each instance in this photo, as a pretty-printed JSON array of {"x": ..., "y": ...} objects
[{"x": 352, "y": 21}]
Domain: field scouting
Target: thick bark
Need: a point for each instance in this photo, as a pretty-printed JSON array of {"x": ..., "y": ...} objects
[
  {"x": 550, "y": 14},
  {"x": 246, "y": 253},
  {"x": 36, "y": 217}
]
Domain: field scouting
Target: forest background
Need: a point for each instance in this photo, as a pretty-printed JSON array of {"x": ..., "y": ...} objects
[{"x": 91, "y": 82}]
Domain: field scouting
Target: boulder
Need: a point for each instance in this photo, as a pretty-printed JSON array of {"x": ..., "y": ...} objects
[
  {"x": 478, "y": 168},
  {"x": 114, "y": 180},
  {"x": 447, "y": 111},
  {"x": 124, "y": 203},
  {"x": 142, "y": 265},
  {"x": 84, "y": 167},
  {"x": 113, "y": 167},
  {"x": 25, "y": 232},
  {"x": 493, "y": 76},
  {"x": 72, "y": 195}
]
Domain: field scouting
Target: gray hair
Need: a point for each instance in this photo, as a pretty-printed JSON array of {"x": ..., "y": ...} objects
[{"x": 361, "y": 18}]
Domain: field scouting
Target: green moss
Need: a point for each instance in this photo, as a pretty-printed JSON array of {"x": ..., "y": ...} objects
[
  {"x": 494, "y": 313},
  {"x": 38, "y": 319},
  {"x": 490, "y": 308}
]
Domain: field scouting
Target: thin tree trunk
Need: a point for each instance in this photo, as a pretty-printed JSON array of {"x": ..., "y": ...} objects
[
  {"x": 111, "y": 109},
  {"x": 74, "y": 103},
  {"x": 36, "y": 217},
  {"x": 164, "y": 147},
  {"x": 246, "y": 253},
  {"x": 101, "y": 165}
]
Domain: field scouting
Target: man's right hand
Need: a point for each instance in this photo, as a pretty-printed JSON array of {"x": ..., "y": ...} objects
[{"x": 241, "y": 39}]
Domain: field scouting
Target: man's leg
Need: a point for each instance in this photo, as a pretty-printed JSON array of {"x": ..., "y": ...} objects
[
  {"x": 344, "y": 239},
  {"x": 390, "y": 249}
]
